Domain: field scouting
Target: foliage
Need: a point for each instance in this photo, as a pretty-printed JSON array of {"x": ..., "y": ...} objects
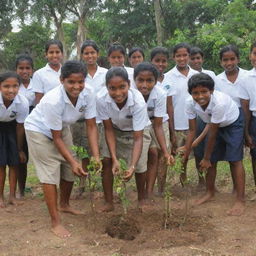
[{"x": 120, "y": 185}]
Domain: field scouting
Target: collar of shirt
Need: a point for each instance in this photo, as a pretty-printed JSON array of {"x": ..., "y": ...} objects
[
  {"x": 209, "y": 107},
  {"x": 252, "y": 72},
  {"x": 99, "y": 71},
  {"x": 29, "y": 85},
  {"x": 129, "y": 102},
  {"x": 176, "y": 72},
  {"x": 153, "y": 94},
  {"x": 48, "y": 68},
  {"x": 67, "y": 100},
  {"x": 15, "y": 101}
]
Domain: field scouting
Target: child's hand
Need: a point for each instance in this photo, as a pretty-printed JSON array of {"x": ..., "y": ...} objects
[
  {"x": 249, "y": 142},
  {"x": 182, "y": 150},
  {"x": 128, "y": 174},
  {"x": 115, "y": 167},
  {"x": 169, "y": 159},
  {"x": 22, "y": 157},
  {"x": 205, "y": 164},
  {"x": 77, "y": 169},
  {"x": 97, "y": 162}
]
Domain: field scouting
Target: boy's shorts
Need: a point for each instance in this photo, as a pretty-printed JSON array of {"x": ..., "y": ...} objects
[
  {"x": 154, "y": 143},
  {"x": 9, "y": 154},
  {"x": 252, "y": 132},
  {"x": 181, "y": 136},
  {"x": 79, "y": 134},
  {"x": 229, "y": 142},
  {"x": 50, "y": 165},
  {"x": 124, "y": 147}
]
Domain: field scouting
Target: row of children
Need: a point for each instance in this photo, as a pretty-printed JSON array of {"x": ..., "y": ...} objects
[{"x": 126, "y": 101}]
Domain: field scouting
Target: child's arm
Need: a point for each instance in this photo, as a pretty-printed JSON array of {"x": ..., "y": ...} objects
[
  {"x": 20, "y": 134},
  {"x": 170, "y": 112},
  {"x": 38, "y": 96},
  {"x": 201, "y": 136},
  {"x": 158, "y": 128},
  {"x": 136, "y": 152},
  {"x": 62, "y": 148},
  {"x": 213, "y": 130},
  {"x": 92, "y": 134},
  {"x": 245, "y": 106},
  {"x": 111, "y": 142},
  {"x": 190, "y": 137}
]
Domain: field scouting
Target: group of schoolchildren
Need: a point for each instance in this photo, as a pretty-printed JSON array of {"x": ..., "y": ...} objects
[{"x": 141, "y": 114}]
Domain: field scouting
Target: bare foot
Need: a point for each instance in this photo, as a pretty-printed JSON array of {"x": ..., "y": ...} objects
[
  {"x": 204, "y": 199},
  {"x": 14, "y": 201},
  {"x": 2, "y": 204},
  {"x": 68, "y": 209},
  {"x": 60, "y": 231},
  {"x": 237, "y": 209},
  {"x": 108, "y": 207}
]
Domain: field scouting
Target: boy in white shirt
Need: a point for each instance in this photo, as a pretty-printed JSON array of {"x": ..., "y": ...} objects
[
  {"x": 50, "y": 141},
  {"x": 224, "y": 129}
]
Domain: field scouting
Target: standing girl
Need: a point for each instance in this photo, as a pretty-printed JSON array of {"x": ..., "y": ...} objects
[
  {"x": 50, "y": 141},
  {"x": 135, "y": 56},
  {"x": 13, "y": 111},
  {"x": 96, "y": 79},
  {"x": 48, "y": 77},
  {"x": 24, "y": 68},
  {"x": 145, "y": 76},
  {"x": 124, "y": 114}
]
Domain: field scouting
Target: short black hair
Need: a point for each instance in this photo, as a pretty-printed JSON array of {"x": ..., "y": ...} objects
[
  {"x": 24, "y": 57},
  {"x": 200, "y": 79},
  {"x": 53, "y": 42},
  {"x": 136, "y": 49},
  {"x": 91, "y": 43},
  {"x": 146, "y": 66},
  {"x": 9, "y": 74},
  {"x": 159, "y": 50},
  {"x": 116, "y": 47},
  {"x": 229, "y": 48},
  {"x": 179, "y": 46},
  {"x": 117, "y": 71},
  {"x": 196, "y": 50},
  {"x": 71, "y": 67}
]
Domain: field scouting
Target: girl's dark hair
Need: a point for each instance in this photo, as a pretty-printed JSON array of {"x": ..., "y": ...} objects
[
  {"x": 9, "y": 74},
  {"x": 200, "y": 79},
  {"x": 24, "y": 57},
  {"x": 159, "y": 50},
  {"x": 136, "y": 49},
  {"x": 253, "y": 46},
  {"x": 55, "y": 42},
  {"x": 179, "y": 46},
  {"x": 117, "y": 71},
  {"x": 116, "y": 47},
  {"x": 195, "y": 50},
  {"x": 71, "y": 67},
  {"x": 146, "y": 66},
  {"x": 91, "y": 43},
  {"x": 229, "y": 48}
]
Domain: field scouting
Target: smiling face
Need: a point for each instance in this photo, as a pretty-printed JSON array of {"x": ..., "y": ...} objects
[
  {"x": 161, "y": 62},
  {"x": 145, "y": 81},
  {"x": 196, "y": 61},
  {"x": 116, "y": 59},
  {"x": 73, "y": 85},
  {"x": 135, "y": 59},
  {"x": 181, "y": 58},
  {"x": 24, "y": 70},
  {"x": 229, "y": 61},
  {"x": 202, "y": 96},
  {"x": 118, "y": 90},
  {"x": 90, "y": 55},
  {"x": 9, "y": 89},
  {"x": 54, "y": 55},
  {"x": 252, "y": 57}
]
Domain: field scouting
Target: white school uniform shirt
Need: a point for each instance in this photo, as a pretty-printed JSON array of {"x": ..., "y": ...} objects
[
  {"x": 132, "y": 117},
  {"x": 55, "y": 111},
  {"x": 98, "y": 81},
  {"x": 247, "y": 90},
  {"x": 221, "y": 110},
  {"x": 28, "y": 93},
  {"x": 156, "y": 103},
  {"x": 45, "y": 79},
  {"x": 209, "y": 72},
  {"x": 232, "y": 89},
  {"x": 130, "y": 72},
  {"x": 18, "y": 109},
  {"x": 179, "y": 91},
  {"x": 166, "y": 86}
]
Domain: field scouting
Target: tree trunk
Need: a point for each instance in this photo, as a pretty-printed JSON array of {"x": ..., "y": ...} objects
[
  {"x": 81, "y": 35},
  {"x": 158, "y": 19},
  {"x": 60, "y": 36}
]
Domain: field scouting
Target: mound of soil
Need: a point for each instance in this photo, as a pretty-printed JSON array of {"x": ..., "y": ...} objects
[{"x": 122, "y": 227}]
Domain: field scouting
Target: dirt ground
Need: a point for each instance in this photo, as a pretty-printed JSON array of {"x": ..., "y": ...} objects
[{"x": 25, "y": 230}]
